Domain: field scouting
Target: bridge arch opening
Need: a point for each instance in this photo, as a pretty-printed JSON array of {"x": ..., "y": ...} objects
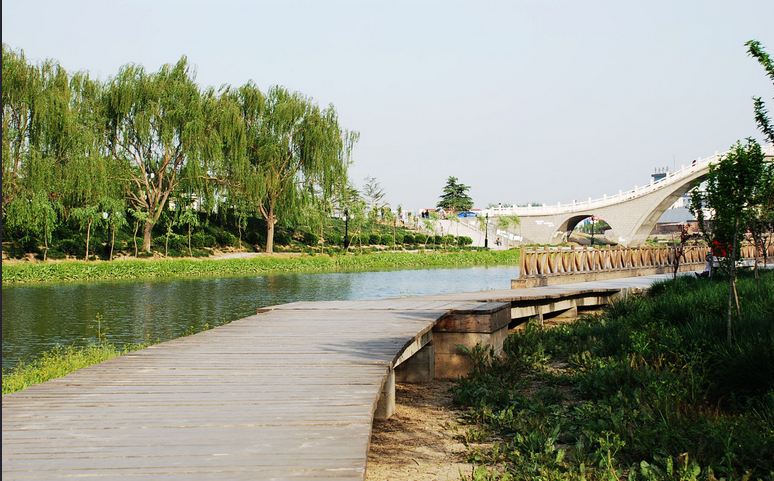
[{"x": 586, "y": 230}]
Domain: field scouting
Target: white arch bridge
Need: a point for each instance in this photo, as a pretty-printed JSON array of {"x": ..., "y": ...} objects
[{"x": 631, "y": 214}]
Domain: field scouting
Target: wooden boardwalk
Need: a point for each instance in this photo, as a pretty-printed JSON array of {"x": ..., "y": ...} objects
[{"x": 289, "y": 393}]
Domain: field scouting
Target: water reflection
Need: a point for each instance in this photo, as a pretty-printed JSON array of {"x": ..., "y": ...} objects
[{"x": 37, "y": 318}]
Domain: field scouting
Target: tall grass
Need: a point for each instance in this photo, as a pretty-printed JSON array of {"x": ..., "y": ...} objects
[
  {"x": 79, "y": 270},
  {"x": 651, "y": 389}
]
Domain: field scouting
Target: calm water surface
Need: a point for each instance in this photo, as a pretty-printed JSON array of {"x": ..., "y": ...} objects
[{"x": 37, "y": 318}]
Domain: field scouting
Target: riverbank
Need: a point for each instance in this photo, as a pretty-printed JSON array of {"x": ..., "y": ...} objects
[
  {"x": 59, "y": 271},
  {"x": 653, "y": 388}
]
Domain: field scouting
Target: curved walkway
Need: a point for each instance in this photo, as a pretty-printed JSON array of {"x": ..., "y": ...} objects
[{"x": 288, "y": 393}]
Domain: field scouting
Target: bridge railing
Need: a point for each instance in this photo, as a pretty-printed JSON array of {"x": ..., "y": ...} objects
[
  {"x": 548, "y": 262},
  {"x": 606, "y": 200}
]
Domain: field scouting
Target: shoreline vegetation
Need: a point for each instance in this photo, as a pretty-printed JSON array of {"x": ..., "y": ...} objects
[
  {"x": 651, "y": 389},
  {"x": 26, "y": 273}
]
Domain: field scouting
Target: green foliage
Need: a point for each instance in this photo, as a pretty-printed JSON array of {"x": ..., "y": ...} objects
[
  {"x": 283, "y": 238},
  {"x": 311, "y": 239},
  {"x": 76, "y": 270},
  {"x": 455, "y": 197},
  {"x": 761, "y": 114},
  {"x": 387, "y": 240},
  {"x": 651, "y": 389},
  {"x": 201, "y": 239},
  {"x": 420, "y": 238},
  {"x": 409, "y": 239}
]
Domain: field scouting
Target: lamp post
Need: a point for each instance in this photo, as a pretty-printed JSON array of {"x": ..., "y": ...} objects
[
  {"x": 486, "y": 231},
  {"x": 346, "y": 228},
  {"x": 592, "y": 230}
]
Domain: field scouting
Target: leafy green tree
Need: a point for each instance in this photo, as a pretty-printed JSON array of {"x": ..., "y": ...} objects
[
  {"x": 732, "y": 194},
  {"x": 190, "y": 217},
  {"x": 505, "y": 222},
  {"x": 87, "y": 216},
  {"x": 761, "y": 114},
  {"x": 159, "y": 130},
  {"x": 455, "y": 197},
  {"x": 761, "y": 220},
  {"x": 290, "y": 143}
]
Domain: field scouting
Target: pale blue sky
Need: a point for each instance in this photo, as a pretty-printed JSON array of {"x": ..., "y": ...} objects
[{"x": 528, "y": 101}]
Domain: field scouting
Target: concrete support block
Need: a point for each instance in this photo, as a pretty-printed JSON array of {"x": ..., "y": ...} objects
[
  {"x": 451, "y": 361},
  {"x": 418, "y": 368},
  {"x": 385, "y": 406}
]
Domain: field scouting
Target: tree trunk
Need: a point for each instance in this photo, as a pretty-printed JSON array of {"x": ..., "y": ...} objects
[
  {"x": 146, "y": 238},
  {"x": 189, "y": 240},
  {"x": 270, "y": 221},
  {"x": 134, "y": 237},
  {"x": 732, "y": 277},
  {"x": 88, "y": 235},
  {"x": 112, "y": 242}
]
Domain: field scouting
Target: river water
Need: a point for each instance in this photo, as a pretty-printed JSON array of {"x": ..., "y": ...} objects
[{"x": 36, "y": 318}]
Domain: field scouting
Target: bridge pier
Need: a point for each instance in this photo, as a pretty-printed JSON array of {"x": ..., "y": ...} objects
[{"x": 484, "y": 323}]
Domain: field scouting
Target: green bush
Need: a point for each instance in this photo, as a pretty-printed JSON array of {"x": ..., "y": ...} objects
[
  {"x": 334, "y": 239},
  {"x": 226, "y": 239},
  {"x": 253, "y": 237},
  {"x": 399, "y": 238},
  {"x": 465, "y": 240},
  {"x": 438, "y": 240},
  {"x": 201, "y": 239},
  {"x": 311, "y": 239},
  {"x": 282, "y": 238},
  {"x": 374, "y": 239},
  {"x": 409, "y": 239},
  {"x": 387, "y": 239},
  {"x": 73, "y": 247}
]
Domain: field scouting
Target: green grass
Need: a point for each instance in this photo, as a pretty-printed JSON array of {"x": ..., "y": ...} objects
[
  {"x": 59, "y": 362},
  {"x": 84, "y": 271},
  {"x": 651, "y": 389}
]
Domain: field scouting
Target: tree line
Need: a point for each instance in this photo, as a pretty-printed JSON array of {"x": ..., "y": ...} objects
[{"x": 139, "y": 146}]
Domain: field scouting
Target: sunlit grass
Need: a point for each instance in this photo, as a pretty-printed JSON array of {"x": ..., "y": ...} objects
[
  {"x": 136, "y": 269},
  {"x": 59, "y": 362}
]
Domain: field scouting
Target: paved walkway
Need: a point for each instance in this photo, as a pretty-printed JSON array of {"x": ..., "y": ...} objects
[{"x": 288, "y": 393}]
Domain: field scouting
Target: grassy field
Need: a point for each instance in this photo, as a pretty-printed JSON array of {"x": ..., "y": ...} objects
[
  {"x": 144, "y": 269},
  {"x": 651, "y": 389}
]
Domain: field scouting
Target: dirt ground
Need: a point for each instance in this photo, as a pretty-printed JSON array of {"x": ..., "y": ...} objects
[{"x": 418, "y": 442}]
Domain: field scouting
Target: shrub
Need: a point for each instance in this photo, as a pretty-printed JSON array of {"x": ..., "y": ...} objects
[
  {"x": 73, "y": 247},
  {"x": 374, "y": 239},
  {"x": 399, "y": 238},
  {"x": 420, "y": 238},
  {"x": 387, "y": 239},
  {"x": 201, "y": 239},
  {"x": 409, "y": 239},
  {"x": 311, "y": 239},
  {"x": 282, "y": 238},
  {"x": 437, "y": 239},
  {"x": 226, "y": 239},
  {"x": 465, "y": 240},
  {"x": 334, "y": 239}
]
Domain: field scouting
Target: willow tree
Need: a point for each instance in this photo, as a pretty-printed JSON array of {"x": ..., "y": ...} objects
[
  {"x": 21, "y": 89},
  {"x": 159, "y": 130},
  {"x": 290, "y": 143}
]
